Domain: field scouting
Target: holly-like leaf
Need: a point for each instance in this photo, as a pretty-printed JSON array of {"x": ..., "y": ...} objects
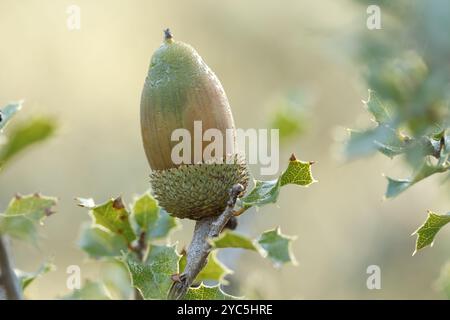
[
  {"x": 427, "y": 232},
  {"x": 231, "y": 239},
  {"x": 24, "y": 135},
  {"x": 113, "y": 216},
  {"x": 99, "y": 242},
  {"x": 204, "y": 292},
  {"x": 145, "y": 212},
  {"x": 8, "y": 112},
  {"x": 153, "y": 276},
  {"x": 26, "y": 278},
  {"x": 213, "y": 271},
  {"x": 90, "y": 291},
  {"x": 395, "y": 187},
  {"x": 272, "y": 244},
  {"x": 297, "y": 172},
  {"x": 277, "y": 247},
  {"x": 23, "y": 214},
  {"x": 265, "y": 192},
  {"x": 381, "y": 111},
  {"x": 152, "y": 219}
]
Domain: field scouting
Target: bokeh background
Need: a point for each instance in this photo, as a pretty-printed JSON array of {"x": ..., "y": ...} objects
[{"x": 263, "y": 52}]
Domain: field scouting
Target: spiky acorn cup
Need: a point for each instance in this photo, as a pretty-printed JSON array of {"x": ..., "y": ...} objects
[{"x": 180, "y": 89}]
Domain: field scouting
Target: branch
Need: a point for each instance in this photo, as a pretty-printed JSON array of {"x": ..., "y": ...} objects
[
  {"x": 199, "y": 249},
  {"x": 8, "y": 278}
]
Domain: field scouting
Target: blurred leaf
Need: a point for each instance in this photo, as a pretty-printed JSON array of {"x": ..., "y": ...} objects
[
  {"x": 381, "y": 111},
  {"x": 443, "y": 283},
  {"x": 395, "y": 187},
  {"x": 8, "y": 111},
  {"x": 99, "y": 242},
  {"x": 25, "y": 135},
  {"x": 26, "y": 278},
  {"x": 204, "y": 292},
  {"x": 116, "y": 278},
  {"x": 427, "y": 232},
  {"x": 113, "y": 216},
  {"x": 231, "y": 239},
  {"x": 277, "y": 247},
  {"x": 153, "y": 276},
  {"x": 164, "y": 225},
  {"x": 23, "y": 214},
  {"x": 265, "y": 192},
  {"x": 290, "y": 116},
  {"x": 213, "y": 271},
  {"x": 90, "y": 291}
]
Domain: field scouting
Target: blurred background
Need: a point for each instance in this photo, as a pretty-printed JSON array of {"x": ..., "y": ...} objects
[{"x": 271, "y": 57}]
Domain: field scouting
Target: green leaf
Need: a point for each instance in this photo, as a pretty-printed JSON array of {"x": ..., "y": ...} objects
[
  {"x": 23, "y": 214},
  {"x": 271, "y": 244},
  {"x": 8, "y": 111},
  {"x": 145, "y": 212},
  {"x": 427, "y": 232},
  {"x": 111, "y": 215},
  {"x": 99, "y": 242},
  {"x": 298, "y": 173},
  {"x": 213, "y": 271},
  {"x": 381, "y": 111},
  {"x": 26, "y": 278},
  {"x": 204, "y": 292},
  {"x": 231, "y": 239},
  {"x": 164, "y": 225},
  {"x": 265, "y": 192},
  {"x": 153, "y": 276},
  {"x": 90, "y": 291},
  {"x": 395, "y": 187},
  {"x": 277, "y": 246},
  {"x": 152, "y": 219},
  {"x": 25, "y": 135}
]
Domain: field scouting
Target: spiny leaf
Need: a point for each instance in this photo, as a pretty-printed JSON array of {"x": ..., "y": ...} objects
[
  {"x": 213, "y": 271},
  {"x": 265, "y": 192},
  {"x": 113, "y": 216},
  {"x": 231, "y": 239},
  {"x": 204, "y": 292},
  {"x": 90, "y": 291},
  {"x": 298, "y": 173},
  {"x": 152, "y": 219},
  {"x": 99, "y": 242},
  {"x": 427, "y": 232},
  {"x": 23, "y": 214},
  {"x": 271, "y": 244},
  {"x": 277, "y": 247},
  {"x": 381, "y": 111},
  {"x": 145, "y": 212},
  {"x": 395, "y": 187},
  {"x": 26, "y": 278},
  {"x": 8, "y": 111},
  {"x": 153, "y": 276},
  {"x": 25, "y": 135}
]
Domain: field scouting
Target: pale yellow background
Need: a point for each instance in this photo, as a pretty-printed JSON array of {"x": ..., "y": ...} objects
[{"x": 91, "y": 81}]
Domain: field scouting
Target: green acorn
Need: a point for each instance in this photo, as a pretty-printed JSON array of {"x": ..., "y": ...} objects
[{"x": 179, "y": 90}]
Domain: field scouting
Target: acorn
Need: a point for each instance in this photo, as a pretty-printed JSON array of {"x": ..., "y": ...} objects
[{"x": 179, "y": 90}]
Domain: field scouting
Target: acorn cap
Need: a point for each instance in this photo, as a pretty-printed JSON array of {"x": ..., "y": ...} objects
[{"x": 198, "y": 190}]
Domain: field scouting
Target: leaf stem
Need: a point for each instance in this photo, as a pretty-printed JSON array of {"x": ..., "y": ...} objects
[
  {"x": 199, "y": 249},
  {"x": 8, "y": 278}
]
